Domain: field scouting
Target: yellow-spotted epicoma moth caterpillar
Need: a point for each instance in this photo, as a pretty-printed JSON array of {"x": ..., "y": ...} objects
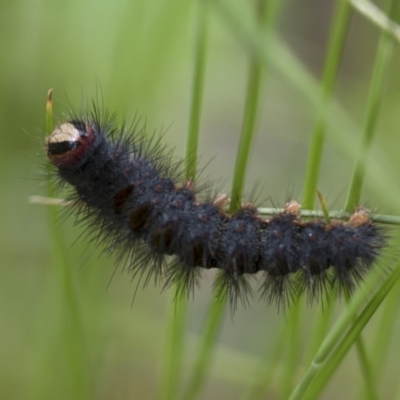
[{"x": 132, "y": 194}]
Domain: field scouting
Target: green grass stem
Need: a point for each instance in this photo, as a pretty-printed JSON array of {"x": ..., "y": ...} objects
[
  {"x": 279, "y": 56},
  {"x": 335, "y": 48},
  {"x": 384, "y": 332},
  {"x": 247, "y": 134},
  {"x": 266, "y": 368},
  {"x": 338, "y": 31},
  {"x": 192, "y": 141},
  {"x": 371, "y": 392},
  {"x": 382, "y": 59},
  {"x": 387, "y": 321},
  {"x": 178, "y": 304},
  {"x": 293, "y": 348},
  {"x": 206, "y": 348},
  {"x": 343, "y": 323},
  {"x": 218, "y": 306},
  {"x": 174, "y": 346},
  {"x": 371, "y": 11},
  {"x": 74, "y": 334},
  {"x": 254, "y": 83},
  {"x": 358, "y": 176},
  {"x": 329, "y": 367},
  {"x": 298, "y": 76},
  {"x": 340, "y": 25},
  {"x": 380, "y": 218}
]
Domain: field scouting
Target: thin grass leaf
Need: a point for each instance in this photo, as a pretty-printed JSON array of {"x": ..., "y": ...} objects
[
  {"x": 386, "y": 325},
  {"x": 217, "y": 309},
  {"x": 354, "y": 194},
  {"x": 328, "y": 367},
  {"x": 372, "y": 113},
  {"x": 353, "y": 199},
  {"x": 266, "y": 368},
  {"x": 341, "y": 326},
  {"x": 340, "y": 215},
  {"x": 384, "y": 333},
  {"x": 74, "y": 334},
  {"x": 249, "y": 120},
  {"x": 178, "y": 305},
  {"x": 206, "y": 349},
  {"x": 279, "y": 56},
  {"x": 340, "y": 25},
  {"x": 200, "y": 58},
  {"x": 372, "y": 12},
  {"x": 292, "y": 350},
  {"x": 370, "y": 387},
  {"x": 174, "y": 341},
  {"x": 337, "y": 37}
]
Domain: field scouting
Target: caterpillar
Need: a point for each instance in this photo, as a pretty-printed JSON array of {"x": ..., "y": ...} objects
[{"x": 132, "y": 195}]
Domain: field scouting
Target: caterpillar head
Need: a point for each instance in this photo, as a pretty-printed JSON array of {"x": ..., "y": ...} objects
[{"x": 70, "y": 143}]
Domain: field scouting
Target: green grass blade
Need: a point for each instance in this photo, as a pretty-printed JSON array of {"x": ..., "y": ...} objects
[
  {"x": 300, "y": 78},
  {"x": 370, "y": 11},
  {"x": 384, "y": 332},
  {"x": 343, "y": 323},
  {"x": 366, "y": 368},
  {"x": 178, "y": 304},
  {"x": 359, "y": 173},
  {"x": 206, "y": 348},
  {"x": 372, "y": 113},
  {"x": 266, "y": 368},
  {"x": 174, "y": 346},
  {"x": 197, "y": 92},
  {"x": 246, "y": 137},
  {"x": 340, "y": 215},
  {"x": 218, "y": 306},
  {"x": 249, "y": 117},
  {"x": 369, "y": 378},
  {"x": 292, "y": 351},
  {"x": 328, "y": 368},
  {"x": 387, "y": 321},
  {"x": 353, "y": 199},
  {"x": 279, "y": 56},
  {"x": 339, "y": 29},
  {"x": 338, "y": 33},
  {"x": 74, "y": 334}
]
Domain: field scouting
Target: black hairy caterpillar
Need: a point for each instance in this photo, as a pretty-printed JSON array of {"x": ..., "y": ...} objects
[{"x": 124, "y": 187}]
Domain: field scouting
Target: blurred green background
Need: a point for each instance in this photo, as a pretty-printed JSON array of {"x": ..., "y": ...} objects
[{"x": 141, "y": 53}]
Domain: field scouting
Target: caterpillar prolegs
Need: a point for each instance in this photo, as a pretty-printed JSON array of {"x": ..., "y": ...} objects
[{"x": 131, "y": 193}]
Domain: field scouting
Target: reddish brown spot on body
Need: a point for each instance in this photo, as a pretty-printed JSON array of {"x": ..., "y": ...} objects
[
  {"x": 121, "y": 197},
  {"x": 139, "y": 219}
]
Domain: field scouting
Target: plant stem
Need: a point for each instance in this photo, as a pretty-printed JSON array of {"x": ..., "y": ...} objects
[
  {"x": 75, "y": 338},
  {"x": 371, "y": 117},
  {"x": 178, "y": 304},
  {"x": 218, "y": 306},
  {"x": 339, "y": 330},
  {"x": 339, "y": 30}
]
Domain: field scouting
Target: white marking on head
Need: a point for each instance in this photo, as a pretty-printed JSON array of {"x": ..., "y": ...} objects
[{"x": 64, "y": 133}]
